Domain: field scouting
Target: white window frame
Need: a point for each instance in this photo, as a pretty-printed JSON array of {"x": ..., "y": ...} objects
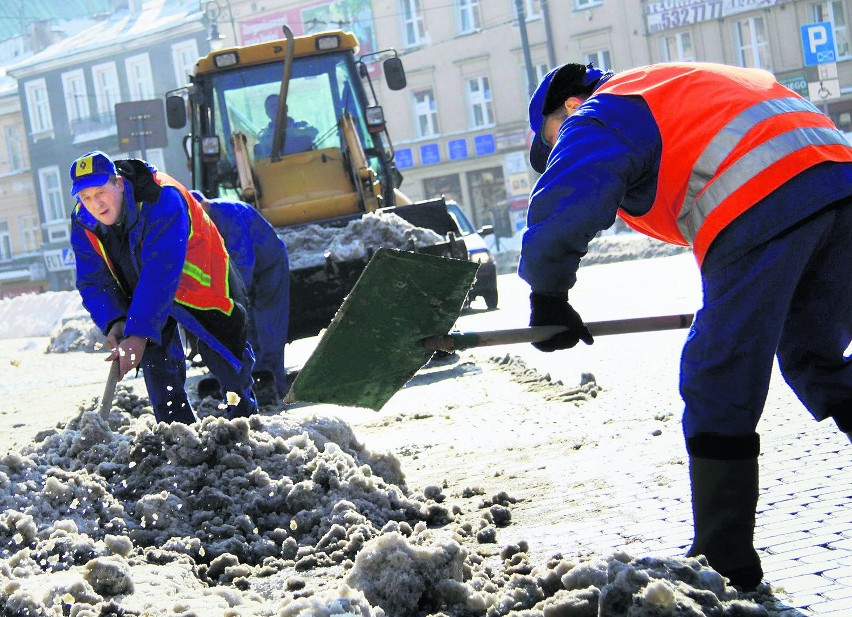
[
  {"x": 678, "y": 40},
  {"x": 14, "y": 147},
  {"x": 833, "y": 11},
  {"x": 480, "y": 102},
  {"x": 413, "y": 26},
  {"x": 532, "y": 9},
  {"x": 107, "y": 90},
  {"x": 184, "y": 55},
  {"x": 140, "y": 79},
  {"x": 28, "y": 228},
  {"x": 468, "y": 15},
  {"x": 50, "y": 182},
  {"x": 76, "y": 95},
  {"x": 601, "y": 58},
  {"x": 5, "y": 241},
  {"x": 540, "y": 71},
  {"x": 38, "y": 106},
  {"x": 425, "y": 112},
  {"x": 579, "y": 5},
  {"x": 756, "y": 51}
]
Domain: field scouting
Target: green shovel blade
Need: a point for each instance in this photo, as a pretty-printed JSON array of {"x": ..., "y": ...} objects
[{"x": 372, "y": 346}]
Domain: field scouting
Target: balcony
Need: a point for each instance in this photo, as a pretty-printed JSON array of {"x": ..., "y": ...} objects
[{"x": 93, "y": 127}]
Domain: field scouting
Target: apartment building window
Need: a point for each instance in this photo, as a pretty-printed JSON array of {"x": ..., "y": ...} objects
[
  {"x": 586, "y": 4},
  {"x": 140, "y": 82},
  {"x": 76, "y": 96},
  {"x": 107, "y": 92},
  {"x": 468, "y": 12},
  {"x": 601, "y": 59},
  {"x": 833, "y": 12},
  {"x": 38, "y": 106},
  {"x": 51, "y": 194},
  {"x": 414, "y": 29},
  {"x": 5, "y": 241},
  {"x": 532, "y": 9},
  {"x": 29, "y": 228},
  {"x": 479, "y": 100},
  {"x": 752, "y": 43},
  {"x": 425, "y": 112},
  {"x": 14, "y": 147},
  {"x": 184, "y": 56},
  {"x": 677, "y": 47},
  {"x": 540, "y": 71}
]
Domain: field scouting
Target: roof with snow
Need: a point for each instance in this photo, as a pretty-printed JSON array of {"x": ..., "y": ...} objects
[
  {"x": 153, "y": 17},
  {"x": 16, "y": 15}
]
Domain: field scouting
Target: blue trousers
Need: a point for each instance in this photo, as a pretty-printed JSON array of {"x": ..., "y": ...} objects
[
  {"x": 268, "y": 322},
  {"x": 164, "y": 369},
  {"x": 790, "y": 297}
]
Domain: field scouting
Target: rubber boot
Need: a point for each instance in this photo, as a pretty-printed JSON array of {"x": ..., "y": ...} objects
[
  {"x": 724, "y": 476},
  {"x": 264, "y": 388}
]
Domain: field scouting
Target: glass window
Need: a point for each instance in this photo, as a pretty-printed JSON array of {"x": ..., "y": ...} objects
[
  {"x": 600, "y": 59},
  {"x": 140, "y": 82},
  {"x": 426, "y": 112},
  {"x": 38, "y": 106},
  {"x": 184, "y": 56},
  {"x": 833, "y": 12},
  {"x": 468, "y": 12},
  {"x": 585, "y": 4},
  {"x": 479, "y": 101},
  {"x": 107, "y": 92},
  {"x": 51, "y": 194},
  {"x": 14, "y": 147},
  {"x": 414, "y": 30},
  {"x": 677, "y": 47},
  {"x": 5, "y": 241},
  {"x": 752, "y": 43},
  {"x": 29, "y": 228},
  {"x": 532, "y": 9},
  {"x": 76, "y": 96}
]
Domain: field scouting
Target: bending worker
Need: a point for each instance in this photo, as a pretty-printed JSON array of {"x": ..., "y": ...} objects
[
  {"x": 759, "y": 183},
  {"x": 261, "y": 258},
  {"x": 140, "y": 272}
]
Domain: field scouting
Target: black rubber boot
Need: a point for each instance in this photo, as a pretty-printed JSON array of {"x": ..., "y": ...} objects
[
  {"x": 209, "y": 386},
  {"x": 724, "y": 475},
  {"x": 264, "y": 388}
]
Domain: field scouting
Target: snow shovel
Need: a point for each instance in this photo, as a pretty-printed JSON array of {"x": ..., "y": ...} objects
[
  {"x": 109, "y": 390},
  {"x": 384, "y": 331}
]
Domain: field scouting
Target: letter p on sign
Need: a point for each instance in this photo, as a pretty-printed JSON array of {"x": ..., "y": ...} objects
[{"x": 818, "y": 43}]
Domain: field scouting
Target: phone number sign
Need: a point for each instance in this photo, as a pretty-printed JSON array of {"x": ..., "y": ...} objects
[{"x": 669, "y": 14}]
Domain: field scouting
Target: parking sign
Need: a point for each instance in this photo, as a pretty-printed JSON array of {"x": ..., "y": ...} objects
[{"x": 818, "y": 43}]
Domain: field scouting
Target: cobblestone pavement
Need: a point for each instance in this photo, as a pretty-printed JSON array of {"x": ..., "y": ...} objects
[{"x": 804, "y": 519}]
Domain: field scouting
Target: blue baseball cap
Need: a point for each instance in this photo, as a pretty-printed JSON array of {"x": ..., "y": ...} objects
[
  {"x": 92, "y": 169},
  {"x": 555, "y": 88}
]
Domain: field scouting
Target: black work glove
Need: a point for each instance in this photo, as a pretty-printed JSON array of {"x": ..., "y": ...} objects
[{"x": 555, "y": 311}]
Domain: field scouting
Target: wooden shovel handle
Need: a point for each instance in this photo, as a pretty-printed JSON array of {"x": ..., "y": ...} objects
[
  {"x": 456, "y": 341},
  {"x": 109, "y": 390}
]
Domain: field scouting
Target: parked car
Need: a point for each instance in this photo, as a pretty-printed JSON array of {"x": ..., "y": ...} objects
[{"x": 486, "y": 277}]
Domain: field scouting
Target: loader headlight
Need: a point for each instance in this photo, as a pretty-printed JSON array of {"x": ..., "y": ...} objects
[
  {"x": 229, "y": 58},
  {"x": 327, "y": 42},
  {"x": 481, "y": 256}
]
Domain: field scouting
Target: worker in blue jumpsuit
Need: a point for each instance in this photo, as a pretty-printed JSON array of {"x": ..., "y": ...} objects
[
  {"x": 261, "y": 258},
  {"x": 141, "y": 272},
  {"x": 759, "y": 183}
]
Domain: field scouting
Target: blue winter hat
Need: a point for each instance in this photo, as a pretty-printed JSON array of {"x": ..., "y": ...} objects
[
  {"x": 92, "y": 169},
  {"x": 557, "y": 86}
]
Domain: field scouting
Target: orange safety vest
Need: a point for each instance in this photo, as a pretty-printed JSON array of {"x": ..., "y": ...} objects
[
  {"x": 204, "y": 280},
  {"x": 730, "y": 137}
]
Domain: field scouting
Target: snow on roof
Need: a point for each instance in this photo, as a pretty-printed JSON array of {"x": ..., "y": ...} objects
[
  {"x": 123, "y": 26},
  {"x": 17, "y": 15}
]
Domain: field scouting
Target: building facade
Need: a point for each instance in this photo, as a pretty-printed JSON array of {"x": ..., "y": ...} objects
[{"x": 73, "y": 95}]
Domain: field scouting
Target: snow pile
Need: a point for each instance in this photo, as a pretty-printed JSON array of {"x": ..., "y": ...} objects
[
  {"x": 307, "y": 245},
  {"x": 38, "y": 314},
  {"x": 76, "y": 334},
  {"x": 273, "y": 516}
]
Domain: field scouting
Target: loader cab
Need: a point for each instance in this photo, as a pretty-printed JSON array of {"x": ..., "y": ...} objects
[{"x": 333, "y": 138}]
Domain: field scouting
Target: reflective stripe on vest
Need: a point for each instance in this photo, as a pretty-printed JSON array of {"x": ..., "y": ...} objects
[
  {"x": 756, "y": 136},
  {"x": 204, "y": 278}
]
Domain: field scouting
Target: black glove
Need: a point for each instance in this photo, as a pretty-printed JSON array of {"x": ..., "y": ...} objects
[{"x": 555, "y": 311}]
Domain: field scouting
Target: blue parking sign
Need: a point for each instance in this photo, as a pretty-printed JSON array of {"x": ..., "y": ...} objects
[{"x": 818, "y": 43}]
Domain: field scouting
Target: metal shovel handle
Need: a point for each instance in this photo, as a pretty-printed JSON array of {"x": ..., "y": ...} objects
[{"x": 456, "y": 341}]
